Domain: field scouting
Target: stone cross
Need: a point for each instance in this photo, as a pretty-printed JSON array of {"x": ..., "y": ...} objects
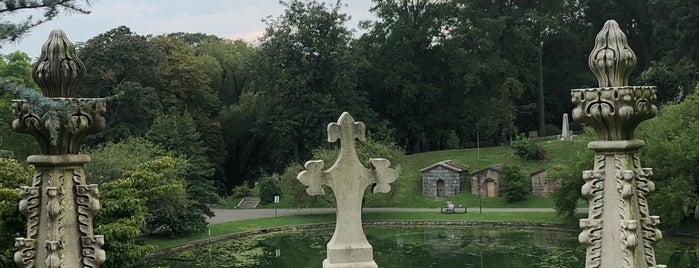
[
  {"x": 59, "y": 204},
  {"x": 348, "y": 179},
  {"x": 619, "y": 230}
]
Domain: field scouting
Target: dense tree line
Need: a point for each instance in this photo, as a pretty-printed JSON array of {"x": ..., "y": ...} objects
[{"x": 422, "y": 75}]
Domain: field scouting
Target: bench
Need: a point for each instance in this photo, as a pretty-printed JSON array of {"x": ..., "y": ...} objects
[{"x": 456, "y": 209}]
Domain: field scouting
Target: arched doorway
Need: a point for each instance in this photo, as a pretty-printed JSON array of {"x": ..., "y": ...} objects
[
  {"x": 490, "y": 188},
  {"x": 440, "y": 188}
]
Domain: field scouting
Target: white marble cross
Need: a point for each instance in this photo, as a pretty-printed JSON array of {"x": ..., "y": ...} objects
[{"x": 348, "y": 179}]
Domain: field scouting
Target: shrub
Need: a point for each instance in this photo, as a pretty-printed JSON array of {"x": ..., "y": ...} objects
[
  {"x": 269, "y": 187},
  {"x": 243, "y": 190},
  {"x": 527, "y": 149},
  {"x": 516, "y": 186}
]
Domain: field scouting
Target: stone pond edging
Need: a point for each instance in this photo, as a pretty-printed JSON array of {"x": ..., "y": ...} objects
[{"x": 174, "y": 249}]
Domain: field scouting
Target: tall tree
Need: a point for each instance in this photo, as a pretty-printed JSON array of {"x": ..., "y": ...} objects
[
  {"x": 177, "y": 133},
  {"x": 120, "y": 63},
  {"x": 183, "y": 86},
  {"x": 307, "y": 76},
  {"x": 12, "y": 31}
]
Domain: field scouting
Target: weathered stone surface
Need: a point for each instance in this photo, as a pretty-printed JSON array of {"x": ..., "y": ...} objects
[
  {"x": 443, "y": 179},
  {"x": 619, "y": 230},
  {"x": 59, "y": 205},
  {"x": 486, "y": 182},
  {"x": 348, "y": 179}
]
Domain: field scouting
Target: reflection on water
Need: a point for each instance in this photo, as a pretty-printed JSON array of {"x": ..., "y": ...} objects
[{"x": 419, "y": 247}]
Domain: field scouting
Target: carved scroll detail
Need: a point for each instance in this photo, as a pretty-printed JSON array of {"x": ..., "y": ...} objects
[
  {"x": 591, "y": 236},
  {"x": 29, "y": 207},
  {"x": 88, "y": 205},
  {"x": 628, "y": 240},
  {"x": 93, "y": 254},
  {"x": 26, "y": 251}
]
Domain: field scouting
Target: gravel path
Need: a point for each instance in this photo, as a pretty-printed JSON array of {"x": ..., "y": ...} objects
[{"x": 226, "y": 215}]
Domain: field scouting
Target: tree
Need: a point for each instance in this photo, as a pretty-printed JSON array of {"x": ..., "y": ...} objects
[
  {"x": 177, "y": 134},
  {"x": 10, "y": 31},
  {"x": 184, "y": 86},
  {"x": 269, "y": 187},
  {"x": 307, "y": 77},
  {"x": 516, "y": 187},
  {"x": 12, "y": 223},
  {"x": 506, "y": 102},
  {"x": 409, "y": 77},
  {"x": 111, "y": 161},
  {"x": 121, "y": 65},
  {"x": 568, "y": 194},
  {"x": 17, "y": 70},
  {"x": 243, "y": 142},
  {"x": 670, "y": 150}
]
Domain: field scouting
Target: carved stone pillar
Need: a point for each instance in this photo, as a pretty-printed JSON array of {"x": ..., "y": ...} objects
[
  {"x": 59, "y": 205},
  {"x": 619, "y": 230}
]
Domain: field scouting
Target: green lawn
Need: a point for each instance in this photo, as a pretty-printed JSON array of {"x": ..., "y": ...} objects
[
  {"x": 407, "y": 189},
  {"x": 254, "y": 224}
]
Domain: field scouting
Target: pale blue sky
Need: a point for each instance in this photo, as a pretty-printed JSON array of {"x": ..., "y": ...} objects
[{"x": 235, "y": 19}]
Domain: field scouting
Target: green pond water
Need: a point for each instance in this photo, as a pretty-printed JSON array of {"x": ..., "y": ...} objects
[{"x": 431, "y": 246}]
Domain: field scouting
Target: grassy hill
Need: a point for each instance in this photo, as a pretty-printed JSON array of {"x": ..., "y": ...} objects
[{"x": 407, "y": 190}]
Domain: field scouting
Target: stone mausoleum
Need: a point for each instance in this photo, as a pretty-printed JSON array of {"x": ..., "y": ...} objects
[
  {"x": 443, "y": 178},
  {"x": 486, "y": 182}
]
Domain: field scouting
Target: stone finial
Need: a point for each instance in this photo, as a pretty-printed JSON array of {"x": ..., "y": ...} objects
[
  {"x": 612, "y": 60},
  {"x": 58, "y": 70}
]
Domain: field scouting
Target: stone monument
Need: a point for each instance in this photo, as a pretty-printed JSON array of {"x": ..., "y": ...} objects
[
  {"x": 348, "y": 179},
  {"x": 619, "y": 230},
  {"x": 565, "y": 129},
  {"x": 59, "y": 205}
]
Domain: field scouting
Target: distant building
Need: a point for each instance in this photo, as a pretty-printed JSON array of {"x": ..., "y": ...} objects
[
  {"x": 443, "y": 178},
  {"x": 486, "y": 182},
  {"x": 541, "y": 186}
]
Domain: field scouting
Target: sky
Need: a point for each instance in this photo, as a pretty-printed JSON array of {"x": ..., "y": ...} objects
[{"x": 234, "y": 19}]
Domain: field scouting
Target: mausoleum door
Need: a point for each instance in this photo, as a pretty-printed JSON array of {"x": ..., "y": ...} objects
[
  {"x": 440, "y": 188},
  {"x": 491, "y": 189}
]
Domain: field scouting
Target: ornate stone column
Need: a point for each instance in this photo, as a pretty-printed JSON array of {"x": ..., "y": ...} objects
[
  {"x": 59, "y": 205},
  {"x": 619, "y": 230}
]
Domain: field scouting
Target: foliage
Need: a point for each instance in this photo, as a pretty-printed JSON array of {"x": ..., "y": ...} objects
[
  {"x": 16, "y": 69},
  {"x": 177, "y": 133},
  {"x": 169, "y": 209},
  {"x": 506, "y": 102},
  {"x": 569, "y": 175},
  {"x": 671, "y": 152},
  {"x": 12, "y": 223},
  {"x": 527, "y": 149},
  {"x": 242, "y": 190},
  {"x": 307, "y": 76},
  {"x": 120, "y": 219},
  {"x": 295, "y": 191},
  {"x": 112, "y": 160},
  {"x": 516, "y": 187},
  {"x": 10, "y": 31},
  {"x": 269, "y": 187}
]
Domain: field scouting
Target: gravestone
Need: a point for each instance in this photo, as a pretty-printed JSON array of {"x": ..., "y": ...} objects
[
  {"x": 619, "y": 230},
  {"x": 348, "y": 179}
]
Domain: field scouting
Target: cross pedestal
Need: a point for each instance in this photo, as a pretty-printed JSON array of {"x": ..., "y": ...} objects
[{"x": 348, "y": 179}]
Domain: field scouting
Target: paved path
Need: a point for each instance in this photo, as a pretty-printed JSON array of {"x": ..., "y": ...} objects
[{"x": 226, "y": 215}]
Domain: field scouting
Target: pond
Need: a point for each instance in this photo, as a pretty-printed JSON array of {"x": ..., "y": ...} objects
[{"x": 419, "y": 246}]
